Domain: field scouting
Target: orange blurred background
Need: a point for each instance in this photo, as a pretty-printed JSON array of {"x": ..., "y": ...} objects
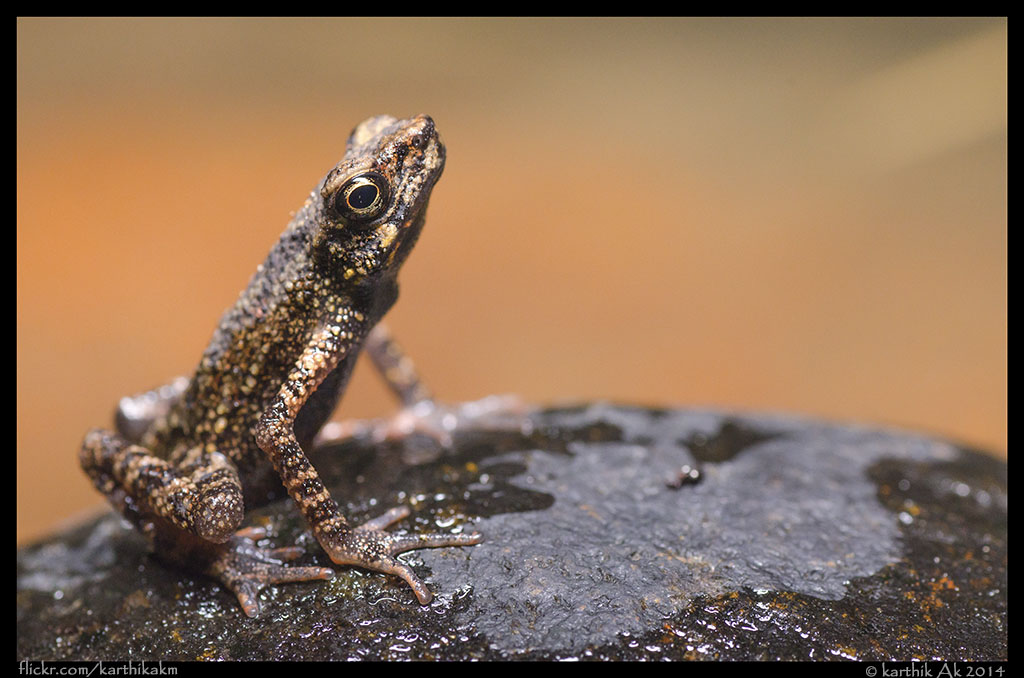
[{"x": 797, "y": 215}]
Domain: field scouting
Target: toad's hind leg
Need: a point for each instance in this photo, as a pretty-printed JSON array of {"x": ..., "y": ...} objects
[
  {"x": 136, "y": 414},
  {"x": 192, "y": 513},
  {"x": 202, "y": 495},
  {"x": 245, "y": 568}
]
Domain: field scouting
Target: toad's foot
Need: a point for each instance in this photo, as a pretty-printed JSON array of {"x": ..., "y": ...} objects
[
  {"x": 435, "y": 420},
  {"x": 370, "y": 547},
  {"x": 246, "y": 568}
]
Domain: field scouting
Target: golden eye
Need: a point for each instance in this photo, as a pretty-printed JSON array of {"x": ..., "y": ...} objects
[{"x": 362, "y": 197}]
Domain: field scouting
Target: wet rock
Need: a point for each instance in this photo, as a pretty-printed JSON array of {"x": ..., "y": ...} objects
[{"x": 611, "y": 532}]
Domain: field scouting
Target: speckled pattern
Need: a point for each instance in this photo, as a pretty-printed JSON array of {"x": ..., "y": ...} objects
[{"x": 186, "y": 460}]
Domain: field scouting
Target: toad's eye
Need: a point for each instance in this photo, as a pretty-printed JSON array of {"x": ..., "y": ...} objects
[{"x": 361, "y": 198}]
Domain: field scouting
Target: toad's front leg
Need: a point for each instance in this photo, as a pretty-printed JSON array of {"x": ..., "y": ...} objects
[
  {"x": 367, "y": 545},
  {"x": 421, "y": 413}
]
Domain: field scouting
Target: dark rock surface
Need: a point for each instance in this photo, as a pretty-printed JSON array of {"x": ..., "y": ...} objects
[{"x": 800, "y": 540}]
